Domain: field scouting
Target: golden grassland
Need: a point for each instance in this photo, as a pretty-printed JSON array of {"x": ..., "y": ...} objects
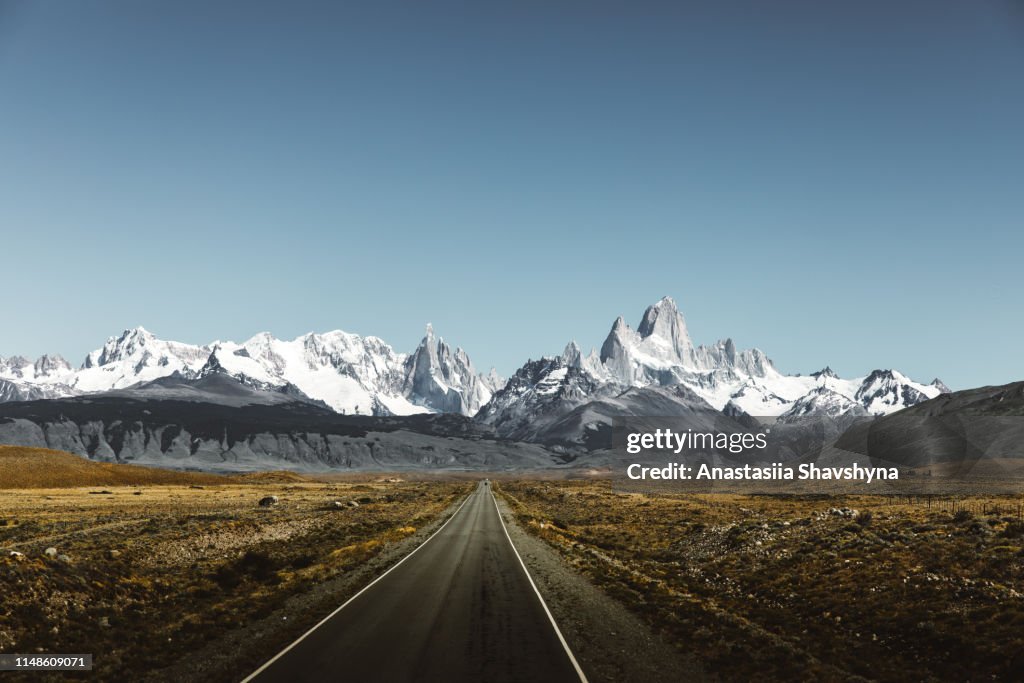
[
  {"x": 40, "y": 467},
  {"x": 803, "y": 588},
  {"x": 145, "y": 575}
]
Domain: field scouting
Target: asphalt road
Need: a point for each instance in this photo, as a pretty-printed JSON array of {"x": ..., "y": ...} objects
[{"x": 461, "y": 607}]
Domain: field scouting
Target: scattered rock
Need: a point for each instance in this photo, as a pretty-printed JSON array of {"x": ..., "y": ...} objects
[
  {"x": 353, "y": 504},
  {"x": 66, "y": 559},
  {"x": 50, "y": 552},
  {"x": 113, "y": 554},
  {"x": 102, "y": 493},
  {"x": 268, "y": 501},
  {"x": 14, "y": 554},
  {"x": 337, "y": 505},
  {"x": 104, "y": 622},
  {"x": 849, "y": 513}
]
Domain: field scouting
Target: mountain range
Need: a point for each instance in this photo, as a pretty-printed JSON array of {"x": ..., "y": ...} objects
[
  {"x": 567, "y": 401},
  {"x": 350, "y": 374},
  {"x": 657, "y": 370},
  {"x": 364, "y": 375}
]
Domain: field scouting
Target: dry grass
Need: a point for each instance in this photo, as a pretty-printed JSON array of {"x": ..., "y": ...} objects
[
  {"x": 154, "y": 573},
  {"x": 789, "y": 588},
  {"x": 39, "y": 467}
]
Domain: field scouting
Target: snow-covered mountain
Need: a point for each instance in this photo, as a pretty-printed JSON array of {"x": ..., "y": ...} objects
[
  {"x": 364, "y": 375},
  {"x": 540, "y": 393},
  {"x": 349, "y": 373},
  {"x": 43, "y": 368},
  {"x": 25, "y": 380},
  {"x": 136, "y": 356},
  {"x": 825, "y": 401},
  {"x": 445, "y": 380},
  {"x": 24, "y": 391},
  {"x": 660, "y": 354},
  {"x": 660, "y": 351}
]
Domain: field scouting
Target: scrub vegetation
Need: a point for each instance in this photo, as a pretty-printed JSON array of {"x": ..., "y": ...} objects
[
  {"x": 802, "y": 588},
  {"x": 146, "y": 576}
]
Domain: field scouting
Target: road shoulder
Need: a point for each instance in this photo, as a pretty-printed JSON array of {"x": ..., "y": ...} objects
[{"x": 611, "y": 643}]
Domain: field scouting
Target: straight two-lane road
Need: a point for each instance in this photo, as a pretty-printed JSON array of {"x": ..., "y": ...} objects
[{"x": 461, "y": 607}]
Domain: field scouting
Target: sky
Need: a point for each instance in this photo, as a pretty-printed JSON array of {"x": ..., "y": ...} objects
[{"x": 834, "y": 183}]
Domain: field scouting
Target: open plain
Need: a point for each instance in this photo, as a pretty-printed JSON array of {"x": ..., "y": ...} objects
[
  {"x": 151, "y": 578},
  {"x": 827, "y": 587}
]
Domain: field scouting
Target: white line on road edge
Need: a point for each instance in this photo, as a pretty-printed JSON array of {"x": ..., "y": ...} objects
[
  {"x": 551, "y": 618},
  {"x": 367, "y": 587}
]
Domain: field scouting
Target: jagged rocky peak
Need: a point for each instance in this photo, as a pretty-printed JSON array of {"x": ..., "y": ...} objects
[
  {"x": 24, "y": 380},
  {"x": 17, "y": 367},
  {"x": 540, "y": 390},
  {"x": 536, "y": 371},
  {"x": 886, "y": 391},
  {"x": 660, "y": 351},
  {"x": 881, "y": 376},
  {"x": 141, "y": 348},
  {"x": 724, "y": 355},
  {"x": 826, "y": 372},
  {"x": 493, "y": 380},
  {"x": 572, "y": 355},
  {"x": 664, "y": 322},
  {"x": 441, "y": 379},
  {"x": 823, "y": 401},
  {"x": 727, "y": 349},
  {"x": 549, "y": 376},
  {"x": 615, "y": 352},
  {"x": 47, "y": 365},
  {"x": 119, "y": 348},
  {"x": 620, "y": 334},
  {"x": 324, "y": 349},
  {"x": 213, "y": 366},
  {"x": 941, "y": 386}
]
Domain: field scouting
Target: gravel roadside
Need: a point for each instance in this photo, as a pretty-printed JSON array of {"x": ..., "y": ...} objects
[{"x": 611, "y": 643}]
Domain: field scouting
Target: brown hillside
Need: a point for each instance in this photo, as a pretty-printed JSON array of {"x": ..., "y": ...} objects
[
  {"x": 22, "y": 468},
  {"x": 272, "y": 477}
]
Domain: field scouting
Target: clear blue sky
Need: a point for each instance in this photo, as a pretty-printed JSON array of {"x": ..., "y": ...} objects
[{"x": 833, "y": 182}]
